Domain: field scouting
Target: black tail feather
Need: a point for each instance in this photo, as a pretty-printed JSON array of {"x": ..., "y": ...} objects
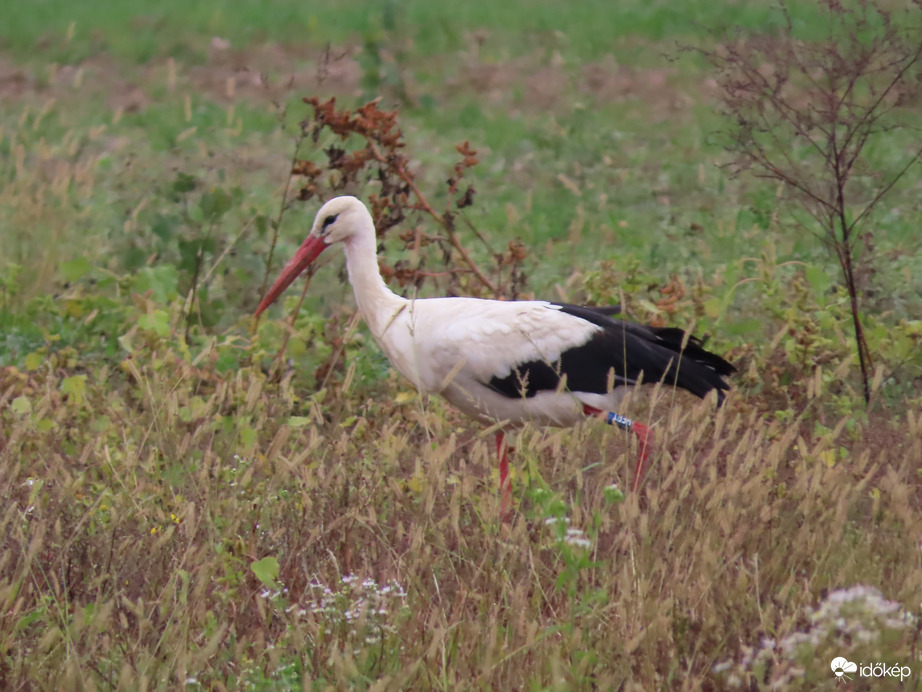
[
  {"x": 689, "y": 346},
  {"x": 634, "y": 349},
  {"x": 699, "y": 371},
  {"x": 633, "y": 352}
]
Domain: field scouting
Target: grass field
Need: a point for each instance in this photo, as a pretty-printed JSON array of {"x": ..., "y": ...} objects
[{"x": 187, "y": 510}]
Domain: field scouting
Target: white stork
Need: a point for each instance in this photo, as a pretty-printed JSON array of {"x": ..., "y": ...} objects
[{"x": 507, "y": 362}]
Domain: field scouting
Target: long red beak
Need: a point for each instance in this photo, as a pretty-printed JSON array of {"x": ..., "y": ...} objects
[{"x": 309, "y": 251}]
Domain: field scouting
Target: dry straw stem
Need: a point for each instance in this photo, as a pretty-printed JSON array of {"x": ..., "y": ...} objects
[
  {"x": 283, "y": 205},
  {"x": 128, "y": 544}
]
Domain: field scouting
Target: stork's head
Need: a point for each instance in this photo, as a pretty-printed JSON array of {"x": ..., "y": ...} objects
[{"x": 337, "y": 221}]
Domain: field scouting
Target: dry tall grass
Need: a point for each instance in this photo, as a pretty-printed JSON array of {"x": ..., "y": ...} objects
[
  {"x": 137, "y": 510},
  {"x": 174, "y": 521}
]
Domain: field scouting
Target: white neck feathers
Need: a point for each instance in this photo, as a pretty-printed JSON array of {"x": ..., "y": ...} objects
[{"x": 377, "y": 303}]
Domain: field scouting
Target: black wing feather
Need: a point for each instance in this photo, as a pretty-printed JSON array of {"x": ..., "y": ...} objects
[{"x": 632, "y": 351}]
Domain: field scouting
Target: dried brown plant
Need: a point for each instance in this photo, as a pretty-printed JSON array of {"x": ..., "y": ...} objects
[{"x": 806, "y": 110}]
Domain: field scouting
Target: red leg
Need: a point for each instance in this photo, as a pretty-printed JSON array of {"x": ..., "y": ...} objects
[
  {"x": 643, "y": 437},
  {"x": 505, "y": 486}
]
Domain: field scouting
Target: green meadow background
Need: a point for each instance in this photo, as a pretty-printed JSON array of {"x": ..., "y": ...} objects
[{"x": 185, "y": 510}]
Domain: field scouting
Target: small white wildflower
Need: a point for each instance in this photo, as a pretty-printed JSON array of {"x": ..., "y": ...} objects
[
  {"x": 613, "y": 493},
  {"x": 856, "y": 614},
  {"x": 550, "y": 521},
  {"x": 349, "y": 578},
  {"x": 578, "y": 542},
  {"x": 866, "y": 636}
]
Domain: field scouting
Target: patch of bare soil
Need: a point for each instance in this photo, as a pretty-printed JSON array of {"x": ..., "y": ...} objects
[
  {"x": 96, "y": 77},
  {"x": 14, "y": 81},
  {"x": 608, "y": 81},
  {"x": 552, "y": 87},
  {"x": 269, "y": 71},
  {"x": 263, "y": 73}
]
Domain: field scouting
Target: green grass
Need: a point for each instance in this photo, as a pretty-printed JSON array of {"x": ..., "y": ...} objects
[
  {"x": 141, "y": 32},
  {"x": 177, "y": 505}
]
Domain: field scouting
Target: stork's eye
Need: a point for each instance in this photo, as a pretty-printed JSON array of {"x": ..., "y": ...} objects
[{"x": 327, "y": 221}]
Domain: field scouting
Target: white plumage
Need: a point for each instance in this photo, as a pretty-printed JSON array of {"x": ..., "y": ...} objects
[
  {"x": 454, "y": 346},
  {"x": 504, "y": 361}
]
